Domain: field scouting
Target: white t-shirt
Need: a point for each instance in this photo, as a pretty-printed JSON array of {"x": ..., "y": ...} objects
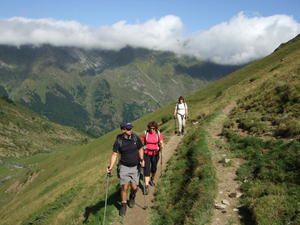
[{"x": 181, "y": 107}]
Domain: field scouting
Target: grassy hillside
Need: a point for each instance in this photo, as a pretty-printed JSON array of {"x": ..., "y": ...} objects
[
  {"x": 67, "y": 187},
  {"x": 23, "y": 133},
  {"x": 59, "y": 187}
]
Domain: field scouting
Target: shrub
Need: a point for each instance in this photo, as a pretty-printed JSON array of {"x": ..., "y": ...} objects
[
  {"x": 228, "y": 124},
  {"x": 165, "y": 119},
  {"x": 163, "y": 128},
  {"x": 288, "y": 129},
  {"x": 273, "y": 208},
  {"x": 46, "y": 126},
  {"x": 219, "y": 93}
]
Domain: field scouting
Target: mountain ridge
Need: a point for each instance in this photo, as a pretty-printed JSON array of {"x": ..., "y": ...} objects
[{"x": 135, "y": 80}]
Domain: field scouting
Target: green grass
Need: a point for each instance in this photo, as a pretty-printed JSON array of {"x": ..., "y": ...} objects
[
  {"x": 264, "y": 130},
  {"x": 272, "y": 174},
  {"x": 43, "y": 215},
  {"x": 186, "y": 192},
  {"x": 24, "y": 133}
]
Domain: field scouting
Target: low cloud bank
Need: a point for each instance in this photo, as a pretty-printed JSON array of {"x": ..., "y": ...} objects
[{"x": 237, "y": 41}]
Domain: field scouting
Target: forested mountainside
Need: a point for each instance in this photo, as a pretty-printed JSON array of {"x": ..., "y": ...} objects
[{"x": 94, "y": 90}]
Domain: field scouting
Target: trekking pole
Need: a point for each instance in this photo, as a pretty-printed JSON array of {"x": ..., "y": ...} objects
[
  {"x": 175, "y": 131},
  {"x": 108, "y": 175},
  {"x": 144, "y": 187},
  {"x": 161, "y": 162}
]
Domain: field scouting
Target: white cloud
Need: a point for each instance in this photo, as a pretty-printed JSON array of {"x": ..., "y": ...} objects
[
  {"x": 157, "y": 34},
  {"x": 239, "y": 40},
  {"x": 242, "y": 39}
]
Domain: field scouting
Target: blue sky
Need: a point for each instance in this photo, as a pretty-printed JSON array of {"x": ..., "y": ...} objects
[
  {"x": 196, "y": 15},
  {"x": 225, "y": 32}
]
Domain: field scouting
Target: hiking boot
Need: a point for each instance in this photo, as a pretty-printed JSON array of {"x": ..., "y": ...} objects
[
  {"x": 122, "y": 210},
  {"x": 131, "y": 201},
  {"x": 146, "y": 190},
  {"x": 151, "y": 182}
]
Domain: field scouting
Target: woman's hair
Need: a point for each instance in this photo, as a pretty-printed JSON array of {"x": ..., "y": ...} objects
[
  {"x": 180, "y": 98},
  {"x": 152, "y": 124}
]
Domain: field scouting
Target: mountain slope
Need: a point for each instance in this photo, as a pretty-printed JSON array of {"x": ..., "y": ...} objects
[
  {"x": 95, "y": 89},
  {"x": 262, "y": 129},
  {"x": 23, "y": 133},
  {"x": 61, "y": 187}
]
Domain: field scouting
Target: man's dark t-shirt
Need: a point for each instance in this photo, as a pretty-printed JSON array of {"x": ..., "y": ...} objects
[{"x": 128, "y": 149}]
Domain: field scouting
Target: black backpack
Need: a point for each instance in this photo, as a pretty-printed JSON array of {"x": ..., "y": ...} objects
[{"x": 120, "y": 141}]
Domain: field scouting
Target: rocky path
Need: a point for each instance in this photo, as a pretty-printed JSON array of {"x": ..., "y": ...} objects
[
  {"x": 139, "y": 215},
  {"x": 227, "y": 198}
]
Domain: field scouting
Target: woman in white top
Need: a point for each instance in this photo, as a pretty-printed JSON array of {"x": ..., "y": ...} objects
[{"x": 181, "y": 114}]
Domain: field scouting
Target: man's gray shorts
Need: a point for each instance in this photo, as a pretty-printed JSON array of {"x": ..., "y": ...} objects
[{"x": 129, "y": 174}]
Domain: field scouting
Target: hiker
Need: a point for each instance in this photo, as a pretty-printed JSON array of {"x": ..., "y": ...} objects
[
  {"x": 181, "y": 114},
  {"x": 130, "y": 148},
  {"x": 153, "y": 144}
]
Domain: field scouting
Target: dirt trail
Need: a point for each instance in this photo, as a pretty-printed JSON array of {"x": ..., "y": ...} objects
[
  {"x": 138, "y": 215},
  {"x": 226, "y": 175}
]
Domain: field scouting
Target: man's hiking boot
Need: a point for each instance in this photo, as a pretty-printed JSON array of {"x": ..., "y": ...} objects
[
  {"x": 122, "y": 210},
  {"x": 151, "y": 182},
  {"x": 146, "y": 190},
  {"x": 131, "y": 201}
]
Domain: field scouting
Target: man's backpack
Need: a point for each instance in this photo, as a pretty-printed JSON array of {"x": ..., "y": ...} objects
[{"x": 120, "y": 141}]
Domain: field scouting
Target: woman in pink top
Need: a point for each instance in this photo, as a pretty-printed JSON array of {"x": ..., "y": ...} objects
[{"x": 153, "y": 144}]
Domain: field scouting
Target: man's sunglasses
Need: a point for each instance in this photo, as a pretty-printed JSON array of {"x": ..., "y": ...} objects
[{"x": 128, "y": 129}]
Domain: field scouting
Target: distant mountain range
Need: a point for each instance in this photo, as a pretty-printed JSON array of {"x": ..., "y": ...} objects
[{"x": 94, "y": 90}]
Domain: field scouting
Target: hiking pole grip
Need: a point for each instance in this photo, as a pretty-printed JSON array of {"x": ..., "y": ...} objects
[{"x": 108, "y": 171}]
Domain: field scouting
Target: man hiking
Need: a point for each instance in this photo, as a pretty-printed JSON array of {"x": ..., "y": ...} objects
[
  {"x": 130, "y": 148},
  {"x": 153, "y": 144},
  {"x": 181, "y": 114}
]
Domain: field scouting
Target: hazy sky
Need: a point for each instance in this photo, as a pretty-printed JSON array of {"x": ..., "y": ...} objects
[{"x": 233, "y": 32}]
